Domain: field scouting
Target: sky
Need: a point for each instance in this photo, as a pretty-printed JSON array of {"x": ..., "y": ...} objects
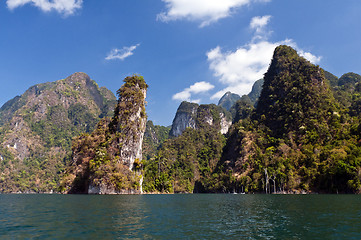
[{"x": 186, "y": 50}]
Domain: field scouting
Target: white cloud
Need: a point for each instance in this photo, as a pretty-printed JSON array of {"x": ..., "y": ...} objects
[
  {"x": 309, "y": 56},
  {"x": 238, "y": 70},
  {"x": 66, "y": 7},
  {"x": 259, "y": 23},
  {"x": 205, "y": 11},
  {"x": 121, "y": 54},
  {"x": 198, "y": 87}
]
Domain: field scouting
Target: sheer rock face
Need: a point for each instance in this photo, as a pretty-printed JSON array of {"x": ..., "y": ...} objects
[
  {"x": 225, "y": 123},
  {"x": 108, "y": 160},
  {"x": 132, "y": 145},
  {"x": 185, "y": 118},
  {"x": 192, "y": 115}
]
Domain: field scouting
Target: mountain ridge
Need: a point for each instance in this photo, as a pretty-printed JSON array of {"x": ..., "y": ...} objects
[
  {"x": 36, "y": 130},
  {"x": 299, "y": 133}
]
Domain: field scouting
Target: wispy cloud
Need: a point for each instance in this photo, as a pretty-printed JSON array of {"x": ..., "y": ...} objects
[
  {"x": 239, "y": 69},
  {"x": 309, "y": 56},
  {"x": 259, "y": 23},
  {"x": 204, "y": 11},
  {"x": 121, "y": 54},
  {"x": 198, "y": 87},
  {"x": 65, "y": 7}
]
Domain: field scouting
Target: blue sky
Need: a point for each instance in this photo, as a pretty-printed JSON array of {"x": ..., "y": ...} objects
[{"x": 191, "y": 50}]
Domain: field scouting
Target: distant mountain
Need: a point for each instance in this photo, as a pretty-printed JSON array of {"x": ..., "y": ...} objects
[
  {"x": 332, "y": 79},
  {"x": 349, "y": 80},
  {"x": 298, "y": 131},
  {"x": 244, "y": 105},
  {"x": 228, "y": 100},
  {"x": 185, "y": 118},
  {"x": 256, "y": 91},
  {"x": 154, "y": 136},
  {"x": 346, "y": 88},
  {"x": 242, "y": 109},
  {"x": 184, "y": 162},
  {"x": 36, "y": 130}
]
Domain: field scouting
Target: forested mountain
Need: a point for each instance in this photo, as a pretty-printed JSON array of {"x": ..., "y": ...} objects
[
  {"x": 154, "y": 136},
  {"x": 108, "y": 160},
  {"x": 298, "y": 131},
  {"x": 183, "y": 163},
  {"x": 256, "y": 91},
  {"x": 298, "y": 139},
  {"x": 36, "y": 130},
  {"x": 240, "y": 107},
  {"x": 347, "y": 89}
]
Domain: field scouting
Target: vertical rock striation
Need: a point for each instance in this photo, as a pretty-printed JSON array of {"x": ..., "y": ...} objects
[
  {"x": 192, "y": 115},
  {"x": 108, "y": 161},
  {"x": 184, "y": 118}
]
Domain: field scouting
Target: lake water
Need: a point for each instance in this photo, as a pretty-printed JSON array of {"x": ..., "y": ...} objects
[{"x": 208, "y": 216}]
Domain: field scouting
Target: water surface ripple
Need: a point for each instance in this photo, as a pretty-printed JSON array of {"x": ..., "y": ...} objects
[{"x": 197, "y": 216}]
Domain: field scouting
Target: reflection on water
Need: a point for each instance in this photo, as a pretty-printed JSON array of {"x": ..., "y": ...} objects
[{"x": 180, "y": 216}]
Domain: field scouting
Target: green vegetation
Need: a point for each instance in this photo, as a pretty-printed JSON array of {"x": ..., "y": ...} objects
[
  {"x": 256, "y": 91},
  {"x": 103, "y": 159},
  {"x": 298, "y": 131},
  {"x": 298, "y": 139},
  {"x": 185, "y": 163},
  {"x": 154, "y": 136},
  {"x": 242, "y": 109},
  {"x": 37, "y": 129}
]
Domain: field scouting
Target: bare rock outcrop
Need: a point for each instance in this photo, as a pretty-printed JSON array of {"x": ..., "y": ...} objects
[{"x": 192, "y": 115}]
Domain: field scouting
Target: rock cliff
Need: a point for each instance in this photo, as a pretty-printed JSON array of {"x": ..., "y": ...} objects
[
  {"x": 108, "y": 161},
  {"x": 184, "y": 118},
  {"x": 192, "y": 115}
]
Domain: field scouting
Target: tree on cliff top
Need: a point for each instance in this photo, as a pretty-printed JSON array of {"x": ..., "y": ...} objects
[{"x": 108, "y": 158}]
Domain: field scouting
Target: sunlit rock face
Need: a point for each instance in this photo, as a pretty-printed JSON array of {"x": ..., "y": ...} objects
[
  {"x": 192, "y": 115},
  {"x": 185, "y": 118},
  {"x": 108, "y": 161}
]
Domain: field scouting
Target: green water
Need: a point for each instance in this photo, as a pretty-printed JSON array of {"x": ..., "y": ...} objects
[{"x": 180, "y": 217}]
